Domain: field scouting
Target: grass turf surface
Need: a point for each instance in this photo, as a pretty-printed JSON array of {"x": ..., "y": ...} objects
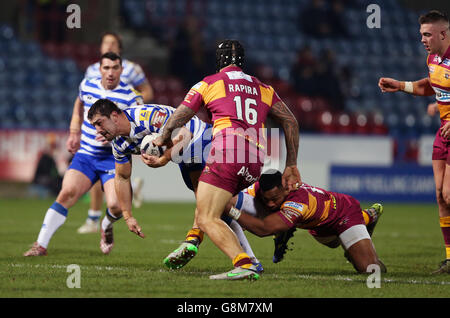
[{"x": 407, "y": 238}]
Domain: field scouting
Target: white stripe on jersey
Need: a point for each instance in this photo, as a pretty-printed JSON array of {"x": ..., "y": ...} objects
[
  {"x": 132, "y": 73},
  {"x": 147, "y": 119},
  {"x": 92, "y": 90}
]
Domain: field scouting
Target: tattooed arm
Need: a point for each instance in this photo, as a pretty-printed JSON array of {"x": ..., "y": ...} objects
[
  {"x": 283, "y": 116},
  {"x": 180, "y": 117}
]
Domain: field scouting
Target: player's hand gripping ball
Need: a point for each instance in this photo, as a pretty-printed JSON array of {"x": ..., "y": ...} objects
[{"x": 149, "y": 148}]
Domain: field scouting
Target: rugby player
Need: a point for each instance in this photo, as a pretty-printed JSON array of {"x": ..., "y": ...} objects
[
  {"x": 126, "y": 129},
  {"x": 93, "y": 159},
  {"x": 239, "y": 104},
  {"x": 435, "y": 32},
  {"x": 333, "y": 219},
  {"x": 134, "y": 75}
]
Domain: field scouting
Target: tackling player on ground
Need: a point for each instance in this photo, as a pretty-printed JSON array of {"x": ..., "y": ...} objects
[
  {"x": 239, "y": 104},
  {"x": 333, "y": 219},
  {"x": 434, "y": 28}
]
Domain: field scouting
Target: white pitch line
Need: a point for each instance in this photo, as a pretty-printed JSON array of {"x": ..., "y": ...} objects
[
  {"x": 385, "y": 280},
  {"x": 311, "y": 277}
]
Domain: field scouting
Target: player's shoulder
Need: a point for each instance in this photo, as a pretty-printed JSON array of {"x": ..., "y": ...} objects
[{"x": 92, "y": 82}]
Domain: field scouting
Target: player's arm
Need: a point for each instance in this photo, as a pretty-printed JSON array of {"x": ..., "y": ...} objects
[
  {"x": 180, "y": 141},
  {"x": 271, "y": 224},
  {"x": 283, "y": 116},
  {"x": 122, "y": 184},
  {"x": 421, "y": 87},
  {"x": 179, "y": 118},
  {"x": 146, "y": 91},
  {"x": 73, "y": 142}
]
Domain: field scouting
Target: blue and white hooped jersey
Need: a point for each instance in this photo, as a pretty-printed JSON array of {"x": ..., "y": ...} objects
[
  {"x": 151, "y": 118},
  {"x": 132, "y": 73},
  {"x": 92, "y": 90}
]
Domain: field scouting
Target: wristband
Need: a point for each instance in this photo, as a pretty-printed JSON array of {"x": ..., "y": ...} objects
[
  {"x": 409, "y": 87},
  {"x": 234, "y": 213}
]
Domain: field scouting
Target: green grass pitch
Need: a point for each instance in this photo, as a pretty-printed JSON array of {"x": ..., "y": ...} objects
[{"x": 407, "y": 238}]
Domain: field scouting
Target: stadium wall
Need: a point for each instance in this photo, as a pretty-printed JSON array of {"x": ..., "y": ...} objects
[{"x": 362, "y": 166}]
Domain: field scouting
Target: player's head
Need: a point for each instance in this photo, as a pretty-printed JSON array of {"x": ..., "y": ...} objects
[
  {"x": 110, "y": 69},
  {"x": 434, "y": 28},
  {"x": 110, "y": 42},
  {"x": 103, "y": 115},
  {"x": 229, "y": 52},
  {"x": 272, "y": 190}
]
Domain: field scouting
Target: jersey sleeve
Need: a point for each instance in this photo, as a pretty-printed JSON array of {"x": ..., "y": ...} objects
[
  {"x": 195, "y": 97},
  {"x": 119, "y": 156},
  {"x": 81, "y": 89},
  {"x": 137, "y": 76},
  {"x": 292, "y": 212}
]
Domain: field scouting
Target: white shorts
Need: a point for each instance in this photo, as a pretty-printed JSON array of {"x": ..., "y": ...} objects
[{"x": 347, "y": 238}]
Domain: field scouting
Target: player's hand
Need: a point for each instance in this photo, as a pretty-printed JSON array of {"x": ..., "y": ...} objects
[
  {"x": 445, "y": 131},
  {"x": 154, "y": 161},
  {"x": 432, "y": 109},
  {"x": 291, "y": 178},
  {"x": 159, "y": 141},
  {"x": 73, "y": 142},
  {"x": 387, "y": 84},
  {"x": 134, "y": 227}
]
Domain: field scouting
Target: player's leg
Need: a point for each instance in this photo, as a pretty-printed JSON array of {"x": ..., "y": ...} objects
[
  {"x": 359, "y": 248},
  {"x": 211, "y": 202},
  {"x": 441, "y": 172},
  {"x": 245, "y": 202},
  {"x": 91, "y": 225},
  {"x": 75, "y": 184},
  {"x": 137, "y": 185},
  {"x": 188, "y": 249},
  {"x": 112, "y": 215}
]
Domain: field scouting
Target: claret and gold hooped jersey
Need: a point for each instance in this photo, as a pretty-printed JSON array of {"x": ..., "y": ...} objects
[
  {"x": 439, "y": 76},
  {"x": 235, "y": 100}
]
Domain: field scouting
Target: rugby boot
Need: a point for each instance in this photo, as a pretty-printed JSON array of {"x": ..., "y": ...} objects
[
  {"x": 182, "y": 255},
  {"x": 375, "y": 212},
  {"x": 107, "y": 240},
  {"x": 281, "y": 240},
  {"x": 89, "y": 226},
  {"x": 444, "y": 267},
  {"x": 36, "y": 250},
  {"x": 238, "y": 273}
]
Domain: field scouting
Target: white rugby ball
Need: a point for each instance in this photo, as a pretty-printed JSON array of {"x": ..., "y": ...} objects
[{"x": 148, "y": 147}]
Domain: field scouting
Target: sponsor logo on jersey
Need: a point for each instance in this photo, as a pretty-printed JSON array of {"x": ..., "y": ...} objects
[
  {"x": 446, "y": 62},
  {"x": 158, "y": 119},
  {"x": 292, "y": 210}
]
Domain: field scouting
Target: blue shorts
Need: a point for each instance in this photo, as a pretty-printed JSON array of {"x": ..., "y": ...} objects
[
  {"x": 94, "y": 168},
  {"x": 194, "y": 159}
]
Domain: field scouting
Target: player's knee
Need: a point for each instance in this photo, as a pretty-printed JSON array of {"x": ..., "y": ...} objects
[
  {"x": 68, "y": 195},
  {"x": 445, "y": 195},
  {"x": 114, "y": 208}
]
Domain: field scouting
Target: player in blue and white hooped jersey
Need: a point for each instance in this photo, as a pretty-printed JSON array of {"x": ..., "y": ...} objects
[
  {"x": 93, "y": 159},
  {"x": 134, "y": 75},
  {"x": 127, "y": 128}
]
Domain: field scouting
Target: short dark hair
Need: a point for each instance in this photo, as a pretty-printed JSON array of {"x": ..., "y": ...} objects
[
  {"x": 111, "y": 56},
  {"x": 433, "y": 16},
  {"x": 103, "y": 107},
  {"x": 270, "y": 179},
  {"x": 118, "y": 38}
]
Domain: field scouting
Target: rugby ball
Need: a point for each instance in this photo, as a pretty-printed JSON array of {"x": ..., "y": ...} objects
[{"x": 149, "y": 148}]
